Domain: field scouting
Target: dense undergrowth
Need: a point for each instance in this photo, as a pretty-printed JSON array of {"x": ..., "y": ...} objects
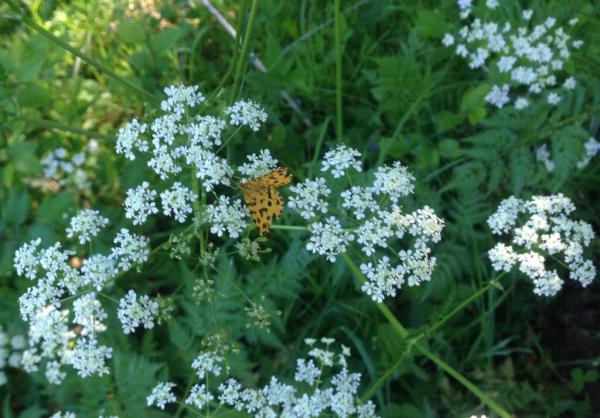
[{"x": 419, "y": 129}]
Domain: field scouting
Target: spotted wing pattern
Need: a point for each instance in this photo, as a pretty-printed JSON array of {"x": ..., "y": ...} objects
[{"x": 263, "y": 199}]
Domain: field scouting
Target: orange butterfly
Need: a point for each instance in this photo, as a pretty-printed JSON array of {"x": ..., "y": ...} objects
[{"x": 263, "y": 199}]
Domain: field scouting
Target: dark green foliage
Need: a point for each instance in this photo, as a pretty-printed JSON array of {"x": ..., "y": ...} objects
[{"x": 405, "y": 98}]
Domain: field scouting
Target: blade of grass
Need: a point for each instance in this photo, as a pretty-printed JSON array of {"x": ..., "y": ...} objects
[
  {"x": 338, "y": 73},
  {"x": 66, "y": 128},
  {"x": 317, "y": 152},
  {"x": 403, "y": 333},
  {"x": 258, "y": 64},
  {"x": 244, "y": 53},
  {"x": 89, "y": 60}
]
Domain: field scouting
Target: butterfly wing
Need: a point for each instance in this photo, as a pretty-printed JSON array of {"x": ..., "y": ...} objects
[
  {"x": 263, "y": 199},
  {"x": 255, "y": 197},
  {"x": 276, "y": 178}
]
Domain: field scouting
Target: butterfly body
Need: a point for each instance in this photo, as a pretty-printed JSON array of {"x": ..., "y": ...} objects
[{"x": 263, "y": 199}]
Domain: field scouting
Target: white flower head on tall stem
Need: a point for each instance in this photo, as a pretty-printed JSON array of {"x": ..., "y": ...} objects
[{"x": 540, "y": 232}]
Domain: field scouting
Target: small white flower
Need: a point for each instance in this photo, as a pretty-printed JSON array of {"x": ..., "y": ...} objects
[
  {"x": 339, "y": 159},
  {"x": 503, "y": 257},
  {"x": 246, "y": 112},
  {"x": 491, "y": 4},
  {"x": 308, "y": 197},
  {"x": 306, "y": 371},
  {"x": 128, "y": 139},
  {"x": 86, "y": 224},
  {"x": 257, "y": 165},
  {"x": 227, "y": 216},
  {"x": 570, "y": 83},
  {"x": 395, "y": 181},
  {"x": 505, "y": 64},
  {"x": 161, "y": 395},
  {"x": 527, "y": 14},
  {"x": 498, "y": 96},
  {"x": 554, "y": 98},
  {"x": 134, "y": 311},
  {"x": 26, "y": 259},
  {"x": 98, "y": 270},
  {"x": 139, "y": 203},
  {"x": 328, "y": 239},
  {"x": 89, "y": 358},
  {"x": 180, "y": 96},
  {"x": 177, "y": 201},
  {"x": 199, "y": 396},
  {"x": 546, "y": 231},
  {"x": 360, "y": 200},
  {"x": 88, "y": 313},
  {"x": 207, "y": 363},
  {"x": 592, "y": 148},
  {"x": 448, "y": 40},
  {"x": 521, "y": 103},
  {"x": 130, "y": 249}
]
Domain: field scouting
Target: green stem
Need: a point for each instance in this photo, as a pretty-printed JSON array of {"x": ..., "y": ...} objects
[
  {"x": 338, "y": 72},
  {"x": 465, "y": 303},
  {"x": 289, "y": 227},
  {"x": 317, "y": 152},
  {"x": 403, "y": 333},
  {"x": 29, "y": 22},
  {"x": 62, "y": 127},
  {"x": 242, "y": 58}
]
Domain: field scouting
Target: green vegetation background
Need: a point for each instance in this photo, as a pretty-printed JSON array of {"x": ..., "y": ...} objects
[{"x": 405, "y": 97}]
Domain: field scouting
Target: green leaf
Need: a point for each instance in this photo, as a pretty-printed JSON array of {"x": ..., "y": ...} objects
[
  {"x": 165, "y": 40},
  {"x": 522, "y": 168},
  {"x": 34, "y": 95},
  {"x": 52, "y": 207},
  {"x": 473, "y": 98},
  {"x": 476, "y": 115},
  {"x": 135, "y": 377},
  {"x": 23, "y": 157},
  {"x": 449, "y": 148},
  {"x": 131, "y": 32},
  {"x": 30, "y": 67},
  {"x": 16, "y": 209},
  {"x": 431, "y": 23},
  {"x": 446, "y": 120},
  {"x": 180, "y": 337}
]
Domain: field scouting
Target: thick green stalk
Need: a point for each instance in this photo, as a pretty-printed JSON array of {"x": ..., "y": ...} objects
[
  {"x": 62, "y": 127},
  {"x": 338, "y": 72},
  {"x": 243, "y": 54},
  {"x": 29, "y": 22},
  {"x": 403, "y": 333}
]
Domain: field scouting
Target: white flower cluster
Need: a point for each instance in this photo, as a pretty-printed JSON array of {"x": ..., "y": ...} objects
[
  {"x": 257, "y": 165},
  {"x": 308, "y": 198},
  {"x": 376, "y": 221},
  {"x": 339, "y": 159},
  {"x": 540, "y": 232},
  {"x": 591, "y": 149},
  {"x": 161, "y": 395},
  {"x": 322, "y": 385},
  {"x": 135, "y": 311},
  {"x": 60, "y": 414},
  {"x": 527, "y": 58},
  {"x": 70, "y": 168},
  {"x": 178, "y": 141},
  {"x": 86, "y": 224},
  {"x": 246, "y": 112},
  {"x": 11, "y": 349},
  {"x": 59, "y": 335}
]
